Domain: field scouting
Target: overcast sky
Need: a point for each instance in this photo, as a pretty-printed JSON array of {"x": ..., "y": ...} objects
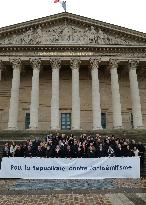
[{"x": 127, "y": 13}]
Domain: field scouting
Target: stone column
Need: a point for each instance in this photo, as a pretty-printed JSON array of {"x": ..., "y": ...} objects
[
  {"x": 96, "y": 109},
  {"x": 75, "y": 94},
  {"x": 34, "y": 106},
  {"x": 14, "y": 100},
  {"x": 116, "y": 104},
  {"x": 55, "y": 64},
  {"x": 0, "y": 74},
  {"x": 1, "y": 68},
  {"x": 135, "y": 97}
]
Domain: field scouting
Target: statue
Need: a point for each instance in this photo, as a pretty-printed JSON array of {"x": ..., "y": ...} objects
[
  {"x": 86, "y": 36},
  {"x": 66, "y": 34},
  {"x": 37, "y": 36},
  {"x": 7, "y": 40},
  {"x": 92, "y": 35},
  {"x": 77, "y": 34},
  {"x": 27, "y": 37},
  {"x": 102, "y": 37},
  {"x": 16, "y": 39}
]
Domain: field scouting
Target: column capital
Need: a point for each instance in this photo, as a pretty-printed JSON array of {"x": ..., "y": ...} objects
[
  {"x": 16, "y": 63},
  {"x": 55, "y": 63},
  {"x": 113, "y": 63},
  {"x": 36, "y": 63},
  {"x": 94, "y": 63},
  {"x": 133, "y": 64},
  {"x": 75, "y": 62}
]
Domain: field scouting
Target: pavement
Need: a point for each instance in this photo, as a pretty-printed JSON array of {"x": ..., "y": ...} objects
[{"x": 73, "y": 192}]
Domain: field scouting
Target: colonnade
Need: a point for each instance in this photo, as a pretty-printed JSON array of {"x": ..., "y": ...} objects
[{"x": 96, "y": 107}]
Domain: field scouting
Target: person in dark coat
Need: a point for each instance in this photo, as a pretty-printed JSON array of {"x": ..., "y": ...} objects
[
  {"x": 35, "y": 145},
  {"x": 19, "y": 152},
  {"x": 29, "y": 152},
  {"x": 128, "y": 152},
  {"x": 49, "y": 152},
  {"x": 68, "y": 152},
  {"x": 39, "y": 152},
  {"x": 132, "y": 144},
  {"x": 63, "y": 149},
  {"x": 84, "y": 150},
  {"x": 74, "y": 148},
  {"x": 57, "y": 152},
  {"x": 79, "y": 154},
  {"x": 119, "y": 151},
  {"x": 100, "y": 151},
  {"x": 91, "y": 151}
]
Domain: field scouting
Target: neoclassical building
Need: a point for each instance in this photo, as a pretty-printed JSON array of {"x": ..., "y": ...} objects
[{"x": 67, "y": 72}]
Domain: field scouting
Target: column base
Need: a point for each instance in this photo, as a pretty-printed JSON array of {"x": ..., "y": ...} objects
[
  {"x": 118, "y": 127},
  {"x": 97, "y": 128},
  {"x": 139, "y": 127},
  {"x": 55, "y": 128},
  {"x": 12, "y": 128},
  {"x": 33, "y": 128},
  {"x": 75, "y": 128}
]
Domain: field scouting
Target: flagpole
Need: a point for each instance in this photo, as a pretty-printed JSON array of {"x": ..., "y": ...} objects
[{"x": 63, "y": 3}]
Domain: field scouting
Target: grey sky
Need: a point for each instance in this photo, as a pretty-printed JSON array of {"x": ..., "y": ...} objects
[{"x": 127, "y": 13}]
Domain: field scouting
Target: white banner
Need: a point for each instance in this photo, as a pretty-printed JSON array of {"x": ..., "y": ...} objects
[{"x": 79, "y": 168}]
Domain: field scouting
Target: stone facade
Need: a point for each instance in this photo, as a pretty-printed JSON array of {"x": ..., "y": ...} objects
[{"x": 70, "y": 64}]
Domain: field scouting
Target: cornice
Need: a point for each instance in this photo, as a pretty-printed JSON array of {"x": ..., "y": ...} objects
[
  {"x": 42, "y": 51},
  {"x": 72, "y": 47}
]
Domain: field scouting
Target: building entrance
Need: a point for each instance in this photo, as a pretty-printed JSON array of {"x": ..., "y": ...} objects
[{"x": 65, "y": 121}]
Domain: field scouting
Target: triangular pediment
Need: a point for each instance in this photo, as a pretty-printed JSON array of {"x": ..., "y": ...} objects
[{"x": 69, "y": 29}]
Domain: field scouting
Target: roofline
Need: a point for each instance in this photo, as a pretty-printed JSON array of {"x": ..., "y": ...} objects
[{"x": 73, "y": 17}]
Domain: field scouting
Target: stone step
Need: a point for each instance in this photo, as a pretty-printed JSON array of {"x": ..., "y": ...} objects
[{"x": 138, "y": 135}]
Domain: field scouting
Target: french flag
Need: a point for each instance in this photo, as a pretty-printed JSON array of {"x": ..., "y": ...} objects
[{"x": 63, "y": 3}]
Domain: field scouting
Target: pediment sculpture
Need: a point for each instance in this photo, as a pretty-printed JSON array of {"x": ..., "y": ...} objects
[{"x": 66, "y": 34}]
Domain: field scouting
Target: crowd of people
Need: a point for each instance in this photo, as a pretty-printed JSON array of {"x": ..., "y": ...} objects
[{"x": 84, "y": 146}]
